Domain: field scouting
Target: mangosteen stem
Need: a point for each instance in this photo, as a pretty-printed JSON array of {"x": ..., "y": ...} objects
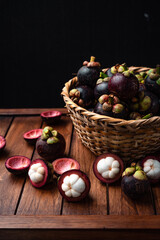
[
  {"x": 147, "y": 116},
  {"x": 92, "y": 59}
]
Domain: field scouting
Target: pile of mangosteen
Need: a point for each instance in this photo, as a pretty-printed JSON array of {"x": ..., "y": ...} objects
[{"x": 117, "y": 92}]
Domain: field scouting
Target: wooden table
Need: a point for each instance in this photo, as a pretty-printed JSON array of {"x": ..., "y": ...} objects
[{"x": 30, "y": 213}]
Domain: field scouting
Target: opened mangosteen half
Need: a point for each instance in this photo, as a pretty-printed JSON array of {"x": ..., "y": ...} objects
[
  {"x": 108, "y": 167},
  {"x": 62, "y": 165},
  {"x": 151, "y": 167},
  {"x": 40, "y": 173},
  {"x": 32, "y": 135},
  {"x": 51, "y": 144},
  {"x": 2, "y": 143},
  {"x": 18, "y": 164},
  {"x": 51, "y": 117},
  {"x": 74, "y": 185},
  {"x": 135, "y": 183}
]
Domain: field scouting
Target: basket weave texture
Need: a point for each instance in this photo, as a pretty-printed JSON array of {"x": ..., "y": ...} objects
[{"x": 130, "y": 139}]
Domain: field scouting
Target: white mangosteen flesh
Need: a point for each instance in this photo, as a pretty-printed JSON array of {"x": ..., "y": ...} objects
[
  {"x": 108, "y": 167},
  {"x": 73, "y": 185},
  {"x": 152, "y": 168},
  {"x": 36, "y": 172}
]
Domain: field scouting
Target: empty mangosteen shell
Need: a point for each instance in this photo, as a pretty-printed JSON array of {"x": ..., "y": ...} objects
[
  {"x": 50, "y": 152},
  {"x": 99, "y": 176},
  {"x": 51, "y": 117},
  {"x": 49, "y": 173},
  {"x": 32, "y": 140},
  {"x": 80, "y": 174},
  {"x": 55, "y": 162},
  {"x": 17, "y": 171}
]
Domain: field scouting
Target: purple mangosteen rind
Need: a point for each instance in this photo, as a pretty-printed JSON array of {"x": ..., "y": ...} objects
[
  {"x": 74, "y": 165},
  {"x": 80, "y": 174},
  {"x": 48, "y": 178},
  {"x": 2, "y": 143},
  {"x": 99, "y": 176},
  {"x": 19, "y": 170},
  {"x": 32, "y": 139},
  {"x": 51, "y": 117}
]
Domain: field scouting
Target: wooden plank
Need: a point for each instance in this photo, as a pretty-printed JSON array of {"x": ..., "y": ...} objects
[
  {"x": 28, "y": 111},
  {"x": 120, "y": 204},
  {"x": 156, "y": 196},
  {"x": 46, "y": 200},
  {"x": 4, "y": 125},
  {"x": 11, "y": 185},
  {"x": 98, "y": 222},
  {"x": 96, "y": 202}
]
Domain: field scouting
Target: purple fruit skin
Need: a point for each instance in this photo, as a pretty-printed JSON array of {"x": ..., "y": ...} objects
[
  {"x": 100, "y": 89},
  {"x": 88, "y": 75},
  {"x": 86, "y": 94},
  {"x": 98, "y": 109},
  {"x": 124, "y": 87}
]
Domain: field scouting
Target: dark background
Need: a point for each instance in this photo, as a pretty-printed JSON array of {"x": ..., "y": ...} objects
[{"x": 43, "y": 42}]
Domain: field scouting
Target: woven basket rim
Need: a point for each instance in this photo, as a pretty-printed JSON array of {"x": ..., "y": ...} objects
[{"x": 98, "y": 117}]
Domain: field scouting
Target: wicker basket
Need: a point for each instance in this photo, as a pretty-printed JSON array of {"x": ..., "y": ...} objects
[{"x": 130, "y": 139}]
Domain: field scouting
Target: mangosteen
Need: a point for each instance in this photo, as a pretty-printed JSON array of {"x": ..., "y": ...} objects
[
  {"x": 110, "y": 105},
  {"x": 18, "y": 164},
  {"x": 101, "y": 86},
  {"x": 151, "y": 166},
  {"x": 125, "y": 85},
  {"x": 51, "y": 144},
  {"x": 82, "y": 96},
  {"x": 134, "y": 182},
  {"x": 152, "y": 81},
  {"x": 108, "y": 167},
  {"x": 32, "y": 135},
  {"x": 40, "y": 173},
  {"x": 141, "y": 77},
  {"x": 145, "y": 103},
  {"x": 51, "y": 117},
  {"x": 62, "y": 165},
  {"x": 89, "y": 73},
  {"x": 117, "y": 68},
  {"x": 74, "y": 185},
  {"x": 2, "y": 143}
]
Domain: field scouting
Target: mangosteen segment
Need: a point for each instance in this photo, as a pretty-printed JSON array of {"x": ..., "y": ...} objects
[
  {"x": 151, "y": 166},
  {"x": 108, "y": 168},
  {"x": 62, "y": 165},
  {"x": 74, "y": 185},
  {"x": 32, "y": 135},
  {"x": 2, "y": 143},
  {"x": 40, "y": 173},
  {"x": 18, "y": 164},
  {"x": 51, "y": 117}
]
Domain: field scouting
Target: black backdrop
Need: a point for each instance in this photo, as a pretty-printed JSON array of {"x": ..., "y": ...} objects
[{"x": 43, "y": 42}]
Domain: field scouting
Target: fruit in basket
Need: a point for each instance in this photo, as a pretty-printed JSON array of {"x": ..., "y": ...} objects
[
  {"x": 89, "y": 73},
  {"x": 40, "y": 173},
  {"x": 145, "y": 102},
  {"x": 108, "y": 168},
  {"x": 51, "y": 144},
  {"x": 101, "y": 86},
  {"x": 152, "y": 81},
  {"x": 110, "y": 105},
  {"x": 82, "y": 95},
  {"x": 141, "y": 77},
  {"x": 125, "y": 85},
  {"x": 74, "y": 185},
  {"x": 51, "y": 117},
  {"x": 151, "y": 166},
  {"x": 32, "y": 135},
  {"x": 62, "y": 165},
  {"x": 18, "y": 164},
  {"x": 2, "y": 143},
  {"x": 116, "y": 68},
  {"x": 134, "y": 182}
]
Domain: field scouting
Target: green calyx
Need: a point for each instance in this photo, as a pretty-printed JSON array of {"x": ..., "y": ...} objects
[
  {"x": 120, "y": 68},
  {"x": 129, "y": 171},
  {"x": 103, "y": 75},
  {"x": 140, "y": 175},
  {"x": 136, "y": 171},
  {"x": 49, "y": 135},
  {"x": 145, "y": 104}
]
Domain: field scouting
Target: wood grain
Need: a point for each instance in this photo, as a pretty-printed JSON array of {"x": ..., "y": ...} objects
[
  {"x": 96, "y": 202},
  {"x": 28, "y": 111},
  {"x": 11, "y": 185},
  {"x": 46, "y": 200}
]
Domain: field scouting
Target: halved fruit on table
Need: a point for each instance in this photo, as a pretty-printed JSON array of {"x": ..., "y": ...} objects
[
  {"x": 18, "y": 164},
  {"x": 62, "y": 165},
  {"x": 32, "y": 135},
  {"x": 51, "y": 117}
]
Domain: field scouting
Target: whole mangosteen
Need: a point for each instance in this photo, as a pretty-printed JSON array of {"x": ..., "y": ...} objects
[
  {"x": 134, "y": 182},
  {"x": 51, "y": 144},
  {"x": 89, "y": 73},
  {"x": 152, "y": 81},
  {"x": 101, "y": 86}
]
